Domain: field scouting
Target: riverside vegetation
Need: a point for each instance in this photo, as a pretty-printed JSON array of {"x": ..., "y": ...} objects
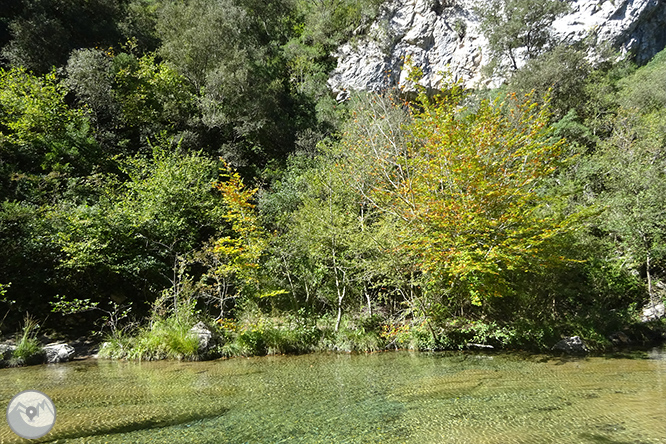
[{"x": 168, "y": 162}]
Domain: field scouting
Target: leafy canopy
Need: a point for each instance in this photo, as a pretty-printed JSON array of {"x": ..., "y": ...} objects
[{"x": 469, "y": 186}]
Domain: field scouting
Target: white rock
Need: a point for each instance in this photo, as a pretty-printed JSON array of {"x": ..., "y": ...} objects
[
  {"x": 414, "y": 30},
  {"x": 6, "y": 351},
  {"x": 651, "y": 313},
  {"x": 573, "y": 344},
  {"x": 55, "y": 353},
  {"x": 204, "y": 335}
]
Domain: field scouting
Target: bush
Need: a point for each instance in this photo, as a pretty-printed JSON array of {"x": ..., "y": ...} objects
[
  {"x": 265, "y": 337},
  {"x": 354, "y": 335}
]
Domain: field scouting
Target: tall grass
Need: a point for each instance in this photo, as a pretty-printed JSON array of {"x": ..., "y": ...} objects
[
  {"x": 28, "y": 349},
  {"x": 257, "y": 335},
  {"x": 264, "y": 336},
  {"x": 168, "y": 338}
]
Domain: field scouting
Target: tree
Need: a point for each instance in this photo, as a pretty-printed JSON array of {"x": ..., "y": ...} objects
[
  {"x": 319, "y": 28},
  {"x": 330, "y": 229},
  {"x": 43, "y": 142},
  {"x": 625, "y": 174},
  {"x": 29, "y": 258},
  {"x": 633, "y": 164},
  {"x": 326, "y": 244},
  {"x": 151, "y": 94},
  {"x": 515, "y": 26},
  {"x": 469, "y": 187},
  {"x": 200, "y": 37},
  {"x": 232, "y": 261},
  {"x": 561, "y": 74},
  {"x": 367, "y": 158},
  {"x": 45, "y": 31},
  {"x": 318, "y": 245},
  {"x": 225, "y": 50},
  {"x": 135, "y": 240},
  {"x": 90, "y": 77},
  {"x": 130, "y": 98}
]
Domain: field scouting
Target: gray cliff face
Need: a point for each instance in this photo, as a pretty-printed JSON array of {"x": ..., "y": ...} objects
[{"x": 442, "y": 36}]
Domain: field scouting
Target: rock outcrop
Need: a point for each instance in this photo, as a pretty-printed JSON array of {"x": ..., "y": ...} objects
[
  {"x": 205, "y": 336},
  {"x": 653, "y": 312},
  {"x": 442, "y": 36},
  {"x": 572, "y": 345},
  {"x": 55, "y": 353}
]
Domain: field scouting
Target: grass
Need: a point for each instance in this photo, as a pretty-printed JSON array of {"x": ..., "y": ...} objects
[
  {"x": 355, "y": 335},
  {"x": 168, "y": 338},
  {"x": 265, "y": 336},
  {"x": 28, "y": 349},
  {"x": 256, "y": 333}
]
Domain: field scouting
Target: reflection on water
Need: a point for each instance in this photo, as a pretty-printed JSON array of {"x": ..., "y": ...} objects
[{"x": 396, "y": 397}]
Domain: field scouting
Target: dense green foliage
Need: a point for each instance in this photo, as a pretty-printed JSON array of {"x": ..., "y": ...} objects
[{"x": 163, "y": 162}]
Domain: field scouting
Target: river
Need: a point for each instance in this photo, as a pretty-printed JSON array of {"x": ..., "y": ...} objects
[{"x": 391, "y": 397}]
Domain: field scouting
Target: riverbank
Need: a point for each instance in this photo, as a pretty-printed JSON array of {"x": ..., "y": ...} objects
[
  {"x": 46, "y": 350},
  {"x": 183, "y": 339}
]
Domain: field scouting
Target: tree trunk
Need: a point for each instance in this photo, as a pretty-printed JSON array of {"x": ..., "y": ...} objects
[
  {"x": 367, "y": 298},
  {"x": 649, "y": 279},
  {"x": 341, "y": 296},
  {"x": 340, "y": 287},
  {"x": 291, "y": 284},
  {"x": 337, "y": 321}
]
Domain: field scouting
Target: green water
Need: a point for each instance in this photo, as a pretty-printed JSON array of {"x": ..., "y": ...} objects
[{"x": 393, "y": 397}]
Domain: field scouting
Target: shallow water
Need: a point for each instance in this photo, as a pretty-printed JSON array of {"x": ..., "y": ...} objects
[{"x": 393, "y": 397}]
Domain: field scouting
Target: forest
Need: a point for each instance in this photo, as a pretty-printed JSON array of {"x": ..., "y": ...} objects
[{"x": 166, "y": 162}]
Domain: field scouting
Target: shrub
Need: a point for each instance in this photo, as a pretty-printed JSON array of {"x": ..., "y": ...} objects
[
  {"x": 265, "y": 337},
  {"x": 360, "y": 335}
]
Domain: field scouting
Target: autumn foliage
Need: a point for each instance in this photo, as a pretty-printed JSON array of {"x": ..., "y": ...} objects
[
  {"x": 467, "y": 186},
  {"x": 232, "y": 260}
]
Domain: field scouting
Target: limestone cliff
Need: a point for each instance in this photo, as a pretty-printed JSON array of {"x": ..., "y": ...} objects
[{"x": 442, "y": 36}]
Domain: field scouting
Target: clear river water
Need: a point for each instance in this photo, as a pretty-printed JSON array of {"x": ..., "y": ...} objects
[{"x": 391, "y": 397}]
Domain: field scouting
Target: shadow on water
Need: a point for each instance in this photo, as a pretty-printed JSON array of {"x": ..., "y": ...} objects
[
  {"x": 134, "y": 425},
  {"x": 600, "y": 439},
  {"x": 628, "y": 353}
]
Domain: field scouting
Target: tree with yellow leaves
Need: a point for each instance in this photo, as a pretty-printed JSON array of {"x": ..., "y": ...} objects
[
  {"x": 468, "y": 189},
  {"x": 232, "y": 260}
]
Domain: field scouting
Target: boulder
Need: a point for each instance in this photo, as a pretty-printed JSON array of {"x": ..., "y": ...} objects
[
  {"x": 571, "y": 345},
  {"x": 6, "y": 351},
  {"x": 619, "y": 338},
  {"x": 652, "y": 313},
  {"x": 204, "y": 335},
  {"x": 55, "y": 353}
]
